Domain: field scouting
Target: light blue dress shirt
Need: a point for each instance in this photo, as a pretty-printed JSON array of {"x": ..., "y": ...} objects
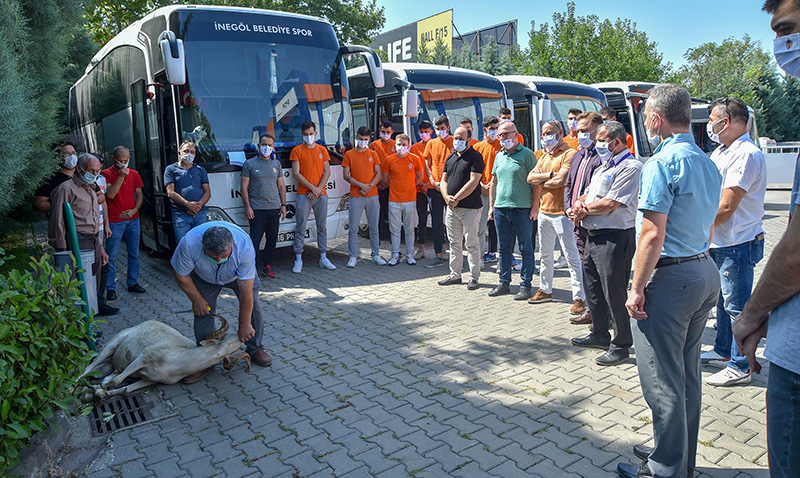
[{"x": 190, "y": 257}]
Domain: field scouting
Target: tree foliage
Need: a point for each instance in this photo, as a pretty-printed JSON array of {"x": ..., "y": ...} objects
[
  {"x": 490, "y": 61},
  {"x": 589, "y": 50}
]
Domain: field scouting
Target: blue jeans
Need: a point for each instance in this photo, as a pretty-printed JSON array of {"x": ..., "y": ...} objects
[
  {"x": 509, "y": 220},
  {"x": 783, "y": 422},
  {"x": 182, "y": 222},
  {"x": 735, "y": 264},
  {"x": 128, "y": 230}
]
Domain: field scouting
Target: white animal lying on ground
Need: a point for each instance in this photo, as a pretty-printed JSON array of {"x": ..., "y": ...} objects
[{"x": 157, "y": 353}]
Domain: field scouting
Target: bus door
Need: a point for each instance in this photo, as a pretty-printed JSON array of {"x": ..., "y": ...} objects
[{"x": 361, "y": 116}]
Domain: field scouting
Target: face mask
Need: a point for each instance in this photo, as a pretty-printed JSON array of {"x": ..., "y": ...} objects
[
  {"x": 363, "y": 144},
  {"x": 266, "y": 151},
  {"x": 710, "y": 131},
  {"x": 460, "y": 145},
  {"x": 654, "y": 139},
  {"x": 402, "y": 150},
  {"x": 88, "y": 178},
  {"x": 386, "y": 136},
  {"x": 573, "y": 125},
  {"x": 507, "y": 143},
  {"x": 70, "y": 161},
  {"x": 787, "y": 53},
  {"x": 602, "y": 150},
  {"x": 121, "y": 165},
  {"x": 187, "y": 158},
  {"x": 491, "y": 134},
  {"x": 441, "y": 134},
  {"x": 503, "y": 120},
  {"x": 585, "y": 140},
  {"x": 219, "y": 262},
  {"x": 425, "y": 136},
  {"x": 309, "y": 140},
  {"x": 549, "y": 141}
]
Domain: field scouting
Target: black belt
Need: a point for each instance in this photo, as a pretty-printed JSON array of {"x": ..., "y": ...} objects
[
  {"x": 88, "y": 236},
  {"x": 669, "y": 261},
  {"x": 603, "y": 232}
]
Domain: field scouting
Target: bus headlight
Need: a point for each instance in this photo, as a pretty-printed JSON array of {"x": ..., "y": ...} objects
[
  {"x": 217, "y": 214},
  {"x": 344, "y": 203}
]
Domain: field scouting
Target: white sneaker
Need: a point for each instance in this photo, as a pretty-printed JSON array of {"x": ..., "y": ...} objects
[
  {"x": 561, "y": 263},
  {"x": 326, "y": 263},
  {"x": 410, "y": 260},
  {"x": 419, "y": 254},
  {"x": 394, "y": 260},
  {"x": 352, "y": 262},
  {"x": 713, "y": 356},
  {"x": 298, "y": 266},
  {"x": 378, "y": 260},
  {"x": 729, "y": 376}
]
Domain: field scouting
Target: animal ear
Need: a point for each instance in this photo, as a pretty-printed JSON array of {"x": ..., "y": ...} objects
[{"x": 209, "y": 342}]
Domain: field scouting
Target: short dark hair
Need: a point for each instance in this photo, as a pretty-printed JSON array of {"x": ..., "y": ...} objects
[
  {"x": 307, "y": 125},
  {"x": 504, "y": 111},
  {"x": 465, "y": 121},
  {"x": 266, "y": 135},
  {"x": 424, "y": 124},
  {"x": 216, "y": 240},
  {"x": 469, "y": 132},
  {"x": 615, "y": 130},
  {"x": 387, "y": 124},
  {"x": 771, "y": 5},
  {"x": 574, "y": 111},
  {"x": 61, "y": 144},
  {"x": 364, "y": 131},
  {"x": 442, "y": 120},
  {"x": 593, "y": 117},
  {"x": 118, "y": 150},
  {"x": 732, "y": 108},
  {"x": 489, "y": 121},
  {"x": 608, "y": 111}
]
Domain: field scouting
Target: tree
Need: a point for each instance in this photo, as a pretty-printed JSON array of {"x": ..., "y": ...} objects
[
  {"x": 492, "y": 61},
  {"x": 587, "y": 50},
  {"x": 441, "y": 54},
  {"x": 355, "y": 21}
]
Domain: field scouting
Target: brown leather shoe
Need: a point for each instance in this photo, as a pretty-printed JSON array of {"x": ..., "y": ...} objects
[
  {"x": 583, "y": 319},
  {"x": 197, "y": 376},
  {"x": 539, "y": 297},
  {"x": 577, "y": 307},
  {"x": 261, "y": 358}
]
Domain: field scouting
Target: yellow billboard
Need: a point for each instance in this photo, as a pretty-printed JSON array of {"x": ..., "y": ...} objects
[{"x": 437, "y": 26}]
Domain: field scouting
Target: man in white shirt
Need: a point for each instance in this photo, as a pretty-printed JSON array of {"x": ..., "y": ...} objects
[{"x": 738, "y": 242}]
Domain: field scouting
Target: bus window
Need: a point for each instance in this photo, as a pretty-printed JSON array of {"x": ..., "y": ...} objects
[{"x": 522, "y": 118}]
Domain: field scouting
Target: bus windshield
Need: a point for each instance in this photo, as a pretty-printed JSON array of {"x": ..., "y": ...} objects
[
  {"x": 560, "y": 105},
  {"x": 240, "y": 84},
  {"x": 459, "y": 102}
]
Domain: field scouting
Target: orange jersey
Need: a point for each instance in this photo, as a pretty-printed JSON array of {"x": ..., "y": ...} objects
[
  {"x": 488, "y": 151},
  {"x": 438, "y": 150},
  {"x": 572, "y": 142},
  {"x": 385, "y": 149},
  {"x": 520, "y": 139},
  {"x": 311, "y": 165},
  {"x": 472, "y": 141},
  {"x": 402, "y": 176},
  {"x": 362, "y": 169},
  {"x": 419, "y": 150},
  {"x": 629, "y": 141},
  {"x": 538, "y": 153}
]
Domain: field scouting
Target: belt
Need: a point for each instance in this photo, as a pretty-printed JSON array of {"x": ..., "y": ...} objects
[
  {"x": 669, "y": 261},
  {"x": 759, "y": 237},
  {"x": 603, "y": 232},
  {"x": 87, "y": 236}
]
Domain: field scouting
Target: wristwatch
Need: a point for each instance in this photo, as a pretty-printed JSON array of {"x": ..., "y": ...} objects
[
  {"x": 551, "y": 175},
  {"x": 283, "y": 205}
]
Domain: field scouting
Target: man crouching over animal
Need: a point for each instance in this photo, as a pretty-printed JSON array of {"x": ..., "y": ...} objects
[{"x": 214, "y": 255}]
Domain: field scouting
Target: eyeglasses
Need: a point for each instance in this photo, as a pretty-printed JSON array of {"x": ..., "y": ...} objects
[{"x": 509, "y": 134}]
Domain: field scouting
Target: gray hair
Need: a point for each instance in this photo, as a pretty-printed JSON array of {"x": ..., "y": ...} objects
[
  {"x": 217, "y": 240},
  {"x": 672, "y": 102},
  {"x": 615, "y": 130},
  {"x": 85, "y": 158}
]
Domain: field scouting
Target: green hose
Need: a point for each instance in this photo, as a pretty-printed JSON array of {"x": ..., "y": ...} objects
[{"x": 72, "y": 241}]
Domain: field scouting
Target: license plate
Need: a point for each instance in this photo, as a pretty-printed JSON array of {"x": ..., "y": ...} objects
[{"x": 289, "y": 236}]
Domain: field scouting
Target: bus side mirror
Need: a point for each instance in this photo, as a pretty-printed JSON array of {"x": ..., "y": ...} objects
[
  {"x": 375, "y": 69},
  {"x": 545, "y": 109},
  {"x": 174, "y": 59},
  {"x": 411, "y": 103},
  {"x": 510, "y": 106}
]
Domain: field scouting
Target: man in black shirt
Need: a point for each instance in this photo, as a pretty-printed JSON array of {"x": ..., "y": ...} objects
[
  {"x": 459, "y": 188},
  {"x": 69, "y": 158}
]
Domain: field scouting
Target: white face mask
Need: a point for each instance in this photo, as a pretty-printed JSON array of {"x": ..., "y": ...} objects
[
  {"x": 70, "y": 161},
  {"x": 491, "y": 134},
  {"x": 386, "y": 136},
  {"x": 549, "y": 141},
  {"x": 602, "y": 150},
  {"x": 442, "y": 134},
  {"x": 654, "y": 138},
  {"x": 363, "y": 143},
  {"x": 507, "y": 143},
  {"x": 710, "y": 131},
  {"x": 460, "y": 145},
  {"x": 573, "y": 125},
  {"x": 402, "y": 150},
  {"x": 787, "y": 53},
  {"x": 425, "y": 136},
  {"x": 309, "y": 140},
  {"x": 266, "y": 151},
  {"x": 585, "y": 140},
  {"x": 187, "y": 158}
]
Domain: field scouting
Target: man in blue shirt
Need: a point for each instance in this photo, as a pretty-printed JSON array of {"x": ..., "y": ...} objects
[
  {"x": 188, "y": 190},
  {"x": 211, "y": 256},
  {"x": 675, "y": 284}
]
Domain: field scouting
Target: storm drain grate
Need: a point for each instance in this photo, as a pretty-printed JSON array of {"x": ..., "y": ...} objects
[{"x": 118, "y": 413}]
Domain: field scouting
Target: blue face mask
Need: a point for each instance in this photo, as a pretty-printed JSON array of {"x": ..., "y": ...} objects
[
  {"x": 219, "y": 262},
  {"x": 88, "y": 178}
]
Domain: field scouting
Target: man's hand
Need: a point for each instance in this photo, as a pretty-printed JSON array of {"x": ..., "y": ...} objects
[
  {"x": 317, "y": 191},
  {"x": 125, "y": 215},
  {"x": 246, "y": 332},
  {"x": 108, "y": 232},
  {"x": 124, "y": 171},
  {"x": 452, "y": 202},
  {"x": 103, "y": 257},
  {"x": 749, "y": 344},
  {"x": 248, "y": 212},
  {"x": 484, "y": 188},
  {"x": 635, "y": 305},
  {"x": 570, "y": 213},
  {"x": 200, "y": 307},
  {"x": 491, "y": 214},
  {"x": 365, "y": 189},
  {"x": 533, "y": 215},
  {"x": 194, "y": 207},
  {"x": 283, "y": 213}
]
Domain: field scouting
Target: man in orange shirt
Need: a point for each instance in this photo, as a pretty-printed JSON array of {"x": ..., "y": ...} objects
[
  {"x": 311, "y": 168},
  {"x": 403, "y": 172},
  {"x": 609, "y": 114},
  {"x": 436, "y": 153},
  {"x": 572, "y": 123},
  {"x": 467, "y": 123},
  {"x": 362, "y": 169},
  {"x": 488, "y": 149},
  {"x": 385, "y": 147},
  {"x": 425, "y": 132},
  {"x": 505, "y": 115}
]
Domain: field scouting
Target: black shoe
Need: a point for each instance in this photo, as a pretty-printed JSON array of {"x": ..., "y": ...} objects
[
  {"x": 523, "y": 294},
  {"x": 111, "y": 295},
  {"x": 450, "y": 280},
  {"x": 97, "y": 333},
  {"x": 136, "y": 289},
  {"x": 591, "y": 341},
  {"x": 502, "y": 289},
  {"x": 642, "y": 452},
  {"x": 104, "y": 309},
  {"x": 472, "y": 284},
  {"x": 627, "y": 470},
  {"x": 613, "y": 358}
]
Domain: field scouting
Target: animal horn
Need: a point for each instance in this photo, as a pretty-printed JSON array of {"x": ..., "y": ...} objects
[
  {"x": 219, "y": 333},
  {"x": 230, "y": 361}
]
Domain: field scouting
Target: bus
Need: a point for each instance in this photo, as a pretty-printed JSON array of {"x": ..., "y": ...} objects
[
  {"x": 537, "y": 99},
  {"x": 220, "y": 77}
]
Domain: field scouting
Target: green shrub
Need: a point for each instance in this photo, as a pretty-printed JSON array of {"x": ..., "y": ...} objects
[{"x": 42, "y": 351}]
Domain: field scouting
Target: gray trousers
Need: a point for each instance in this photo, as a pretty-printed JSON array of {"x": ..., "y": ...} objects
[
  {"x": 678, "y": 298},
  {"x": 303, "y": 209},
  {"x": 356, "y": 208},
  {"x": 205, "y": 324}
]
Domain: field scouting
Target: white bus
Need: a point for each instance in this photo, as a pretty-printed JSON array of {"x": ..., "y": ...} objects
[{"x": 219, "y": 76}]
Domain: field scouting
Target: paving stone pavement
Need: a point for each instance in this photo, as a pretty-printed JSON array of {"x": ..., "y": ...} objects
[{"x": 378, "y": 371}]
